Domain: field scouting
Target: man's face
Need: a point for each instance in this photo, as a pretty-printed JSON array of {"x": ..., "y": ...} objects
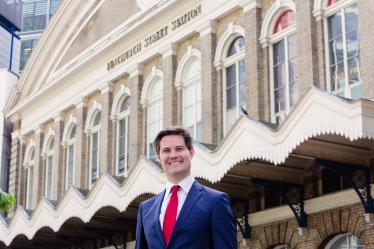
[{"x": 175, "y": 158}]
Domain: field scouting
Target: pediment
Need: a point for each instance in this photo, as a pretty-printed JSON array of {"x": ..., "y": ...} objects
[{"x": 75, "y": 26}]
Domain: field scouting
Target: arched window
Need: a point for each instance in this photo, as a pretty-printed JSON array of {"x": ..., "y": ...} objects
[
  {"x": 284, "y": 71},
  {"x": 70, "y": 156},
  {"x": 68, "y": 142},
  {"x": 343, "y": 49},
  {"x": 49, "y": 168},
  {"x": 95, "y": 144},
  {"x": 155, "y": 114},
  {"x": 152, "y": 98},
  {"x": 123, "y": 137},
  {"x": 92, "y": 129},
  {"x": 234, "y": 78},
  {"x": 188, "y": 79},
  {"x": 192, "y": 98},
  {"x": 346, "y": 241},
  {"x": 29, "y": 165}
]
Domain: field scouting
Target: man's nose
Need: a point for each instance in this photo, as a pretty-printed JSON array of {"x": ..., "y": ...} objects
[{"x": 173, "y": 154}]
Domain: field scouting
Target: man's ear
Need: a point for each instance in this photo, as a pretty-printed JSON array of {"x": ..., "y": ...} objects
[
  {"x": 158, "y": 158},
  {"x": 192, "y": 152}
]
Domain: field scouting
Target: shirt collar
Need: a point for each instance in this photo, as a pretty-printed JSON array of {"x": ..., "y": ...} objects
[{"x": 185, "y": 184}]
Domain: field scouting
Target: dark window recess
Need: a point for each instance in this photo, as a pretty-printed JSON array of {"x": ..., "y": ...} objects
[
  {"x": 271, "y": 199},
  {"x": 332, "y": 182},
  {"x": 27, "y": 46}
]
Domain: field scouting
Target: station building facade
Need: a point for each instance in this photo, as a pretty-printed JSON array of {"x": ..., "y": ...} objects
[{"x": 277, "y": 94}]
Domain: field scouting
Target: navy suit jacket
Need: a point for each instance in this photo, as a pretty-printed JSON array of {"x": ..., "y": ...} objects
[{"x": 205, "y": 221}]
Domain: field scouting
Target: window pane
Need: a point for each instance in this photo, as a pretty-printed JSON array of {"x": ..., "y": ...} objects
[
  {"x": 271, "y": 199},
  {"x": 156, "y": 88},
  {"x": 230, "y": 119},
  {"x": 356, "y": 92},
  {"x": 278, "y": 52},
  {"x": 236, "y": 46},
  {"x": 231, "y": 75},
  {"x": 70, "y": 164},
  {"x": 230, "y": 97},
  {"x": 32, "y": 155},
  {"x": 335, "y": 24},
  {"x": 330, "y": 181},
  {"x": 198, "y": 132},
  {"x": 94, "y": 157},
  {"x": 97, "y": 119},
  {"x": 153, "y": 130},
  {"x": 49, "y": 177},
  {"x": 242, "y": 93},
  {"x": 198, "y": 112},
  {"x": 337, "y": 77},
  {"x": 293, "y": 70},
  {"x": 125, "y": 104},
  {"x": 279, "y": 76},
  {"x": 51, "y": 144},
  {"x": 153, "y": 113},
  {"x": 241, "y": 71},
  {"x": 292, "y": 46},
  {"x": 337, "y": 52},
  {"x": 30, "y": 187},
  {"x": 351, "y": 19},
  {"x": 193, "y": 69},
  {"x": 198, "y": 91},
  {"x": 189, "y": 94},
  {"x": 353, "y": 47},
  {"x": 34, "y": 15},
  {"x": 280, "y": 103},
  {"x": 294, "y": 94},
  {"x": 27, "y": 46},
  {"x": 152, "y": 152},
  {"x": 73, "y": 132},
  {"x": 354, "y": 70},
  {"x": 189, "y": 116},
  {"x": 279, "y": 119}
]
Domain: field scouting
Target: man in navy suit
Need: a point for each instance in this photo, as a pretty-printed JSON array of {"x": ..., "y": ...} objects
[{"x": 186, "y": 214}]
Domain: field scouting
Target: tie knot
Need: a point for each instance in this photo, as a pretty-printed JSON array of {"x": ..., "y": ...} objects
[{"x": 175, "y": 188}]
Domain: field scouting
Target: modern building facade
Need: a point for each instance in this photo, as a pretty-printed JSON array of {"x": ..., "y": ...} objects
[
  {"x": 277, "y": 94},
  {"x": 35, "y": 16},
  {"x": 10, "y": 22}
]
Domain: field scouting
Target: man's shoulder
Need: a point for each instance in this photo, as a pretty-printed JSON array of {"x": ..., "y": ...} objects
[
  {"x": 151, "y": 201},
  {"x": 210, "y": 191}
]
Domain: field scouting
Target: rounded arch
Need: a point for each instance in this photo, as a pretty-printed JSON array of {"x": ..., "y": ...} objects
[
  {"x": 271, "y": 17},
  {"x": 71, "y": 122},
  {"x": 30, "y": 148},
  {"x": 91, "y": 115},
  {"x": 232, "y": 32},
  {"x": 47, "y": 139},
  {"x": 187, "y": 57},
  {"x": 122, "y": 93},
  {"x": 339, "y": 237},
  {"x": 156, "y": 73}
]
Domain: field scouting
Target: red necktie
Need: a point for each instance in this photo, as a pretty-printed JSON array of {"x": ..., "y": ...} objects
[{"x": 171, "y": 214}]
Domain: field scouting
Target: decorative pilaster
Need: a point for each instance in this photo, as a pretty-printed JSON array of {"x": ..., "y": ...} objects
[
  {"x": 80, "y": 156},
  {"x": 211, "y": 87},
  {"x": 169, "y": 68},
  {"x": 136, "y": 115},
  {"x": 106, "y": 161},
  {"x": 59, "y": 168},
  {"x": 39, "y": 170}
]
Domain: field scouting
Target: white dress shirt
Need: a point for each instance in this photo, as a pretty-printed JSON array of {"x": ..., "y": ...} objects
[{"x": 185, "y": 186}]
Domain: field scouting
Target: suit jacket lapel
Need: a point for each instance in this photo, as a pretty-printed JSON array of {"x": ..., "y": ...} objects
[
  {"x": 156, "y": 215},
  {"x": 193, "y": 195}
]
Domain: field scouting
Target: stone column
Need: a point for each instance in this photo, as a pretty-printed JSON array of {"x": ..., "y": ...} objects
[
  {"x": 212, "y": 117},
  {"x": 59, "y": 169},
  {"x": 169, "y": 68},
  {"x": 365, "y": 10},
  {"x": 256, "y": 94},
  {"x": 81, "y": 164},
  {"x": 39, "y": 169},
  {"x": 307, "y": 46},
  {"x": 136, "y": 115},
  {"x": 106, "y": 160}
]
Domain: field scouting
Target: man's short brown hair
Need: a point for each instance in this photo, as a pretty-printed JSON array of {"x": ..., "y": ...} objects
[{"x": 173, "y": 130}]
